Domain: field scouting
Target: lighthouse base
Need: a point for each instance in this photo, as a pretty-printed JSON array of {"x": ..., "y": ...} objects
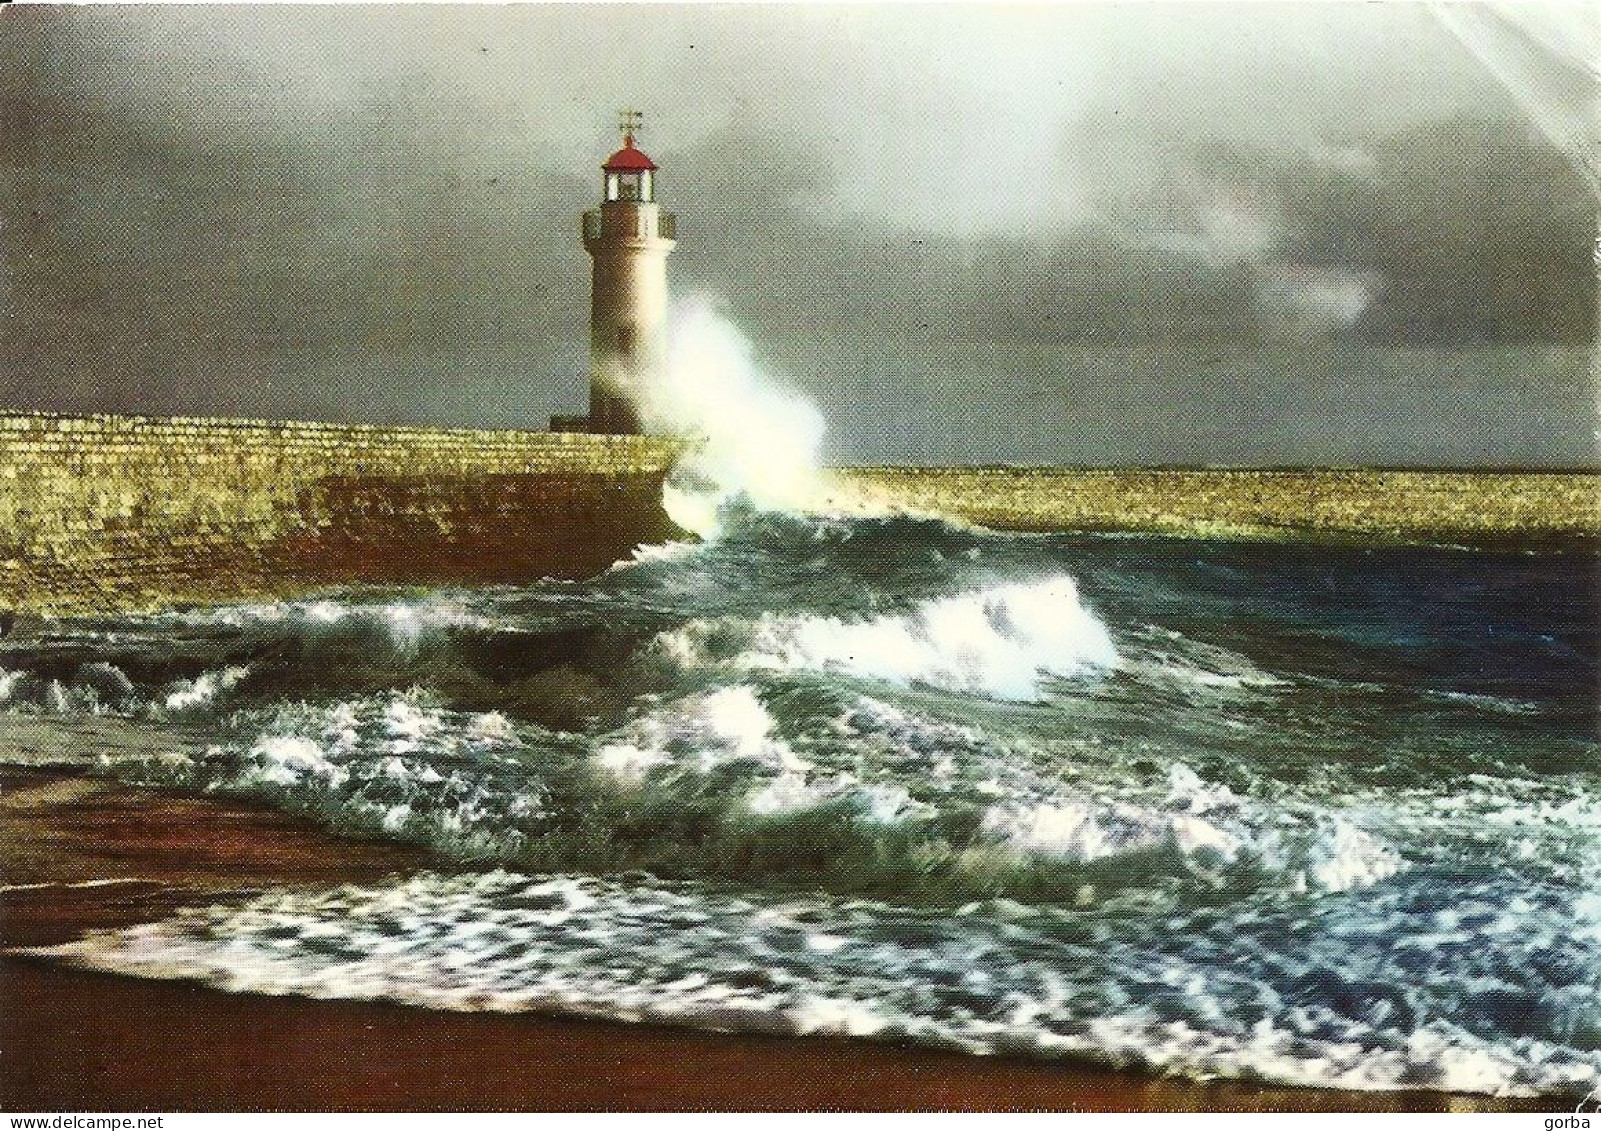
[
  {"x": 571, "y": 424},
  {"x": 610, "y": 414},
  {"x": 613, "y": 427}
]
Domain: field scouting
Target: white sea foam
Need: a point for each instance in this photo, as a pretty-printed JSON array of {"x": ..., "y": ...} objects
[
  {"x": 204, "y": 689},
  {"x": 1085, "y": 831},
  {"x": 731, "y": 725},
  {"x": 10, "y": 681},
  {"x": 699, "y": 733},
  {"x": 1288, "y": 844},
  {"x": 793, "y": 792},
  {"x": 655, "y": 553},
  {"x": 1002, "y": 642},
  {"x": 404, "y": 624},
  {"x": 392, "y": 765},
  {"x": 102, "y": 688},
  {"x": 1344, "y": 857},
  {"x": 1250, "y": 993},
  {"x": 1494, "y": 703},
  {"x": 1213, "y": 888},
  {"x": 96, "y": 688},
  {"x": 291, "y": 760},
  {"x": 400, "y": 765}
]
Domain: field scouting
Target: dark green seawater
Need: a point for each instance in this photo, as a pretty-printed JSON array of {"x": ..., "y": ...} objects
[{"x": 1321, "y": 815}]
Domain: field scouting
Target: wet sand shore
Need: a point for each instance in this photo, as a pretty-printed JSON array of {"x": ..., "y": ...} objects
[{"x": 76, "y": 1040}]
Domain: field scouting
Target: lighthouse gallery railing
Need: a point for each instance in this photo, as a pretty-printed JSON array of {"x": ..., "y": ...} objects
[{"x": 629, "y": 226}]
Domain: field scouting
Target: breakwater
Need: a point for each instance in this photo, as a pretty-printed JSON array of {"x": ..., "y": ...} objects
[
  {"x": 106, "y": 512},
  {"x": 1480, "y": 508}
]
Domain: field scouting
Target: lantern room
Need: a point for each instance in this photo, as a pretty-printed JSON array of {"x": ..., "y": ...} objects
[{"x": 630, "y": 175}]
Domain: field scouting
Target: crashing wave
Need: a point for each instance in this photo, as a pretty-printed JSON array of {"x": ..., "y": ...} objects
[
  {"x": 1002, "y": 642},
  {"x": 875, "y": 798}
]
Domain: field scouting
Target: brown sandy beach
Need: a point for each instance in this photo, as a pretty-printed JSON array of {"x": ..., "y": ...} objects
[{"x": 89, "y": 1041}]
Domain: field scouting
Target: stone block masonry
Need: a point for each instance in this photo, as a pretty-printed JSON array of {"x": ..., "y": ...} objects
[
  {"x": 110, "y": 513},
  {"x": 1514, "y": 509}
]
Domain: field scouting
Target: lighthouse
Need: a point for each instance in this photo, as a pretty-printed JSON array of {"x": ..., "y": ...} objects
[{"x": 628, "y": 239}]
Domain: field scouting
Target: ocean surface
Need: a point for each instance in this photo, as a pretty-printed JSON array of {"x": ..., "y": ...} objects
[{"x": 1309, "y": 814}]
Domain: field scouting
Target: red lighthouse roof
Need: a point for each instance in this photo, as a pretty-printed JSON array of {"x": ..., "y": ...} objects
[{"x": 628, "y": 159}]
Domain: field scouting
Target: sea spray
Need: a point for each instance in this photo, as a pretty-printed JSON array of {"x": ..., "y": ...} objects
[{"x": 753, "y": 437}]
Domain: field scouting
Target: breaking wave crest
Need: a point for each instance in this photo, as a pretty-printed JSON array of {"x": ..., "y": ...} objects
[
  {"x": 869, "y": 798},
  {"x": 1000, "y": 642}
]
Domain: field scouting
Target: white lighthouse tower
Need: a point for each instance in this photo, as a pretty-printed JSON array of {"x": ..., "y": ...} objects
[{"x": 629, "y": 238}]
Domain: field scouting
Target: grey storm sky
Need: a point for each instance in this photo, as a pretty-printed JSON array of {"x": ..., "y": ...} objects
[{"x": 1123, "y": 233}]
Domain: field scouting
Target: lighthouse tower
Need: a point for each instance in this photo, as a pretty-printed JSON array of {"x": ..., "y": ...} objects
[{"x": 628, "y": 238}]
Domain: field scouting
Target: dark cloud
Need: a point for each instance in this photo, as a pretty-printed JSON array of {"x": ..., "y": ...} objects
[{"x": 1193, "y": 234}]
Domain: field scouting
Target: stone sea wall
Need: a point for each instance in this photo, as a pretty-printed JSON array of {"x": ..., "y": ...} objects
[
  {"x": 116, "y": 513},
  {"x": 1480, "y": 508},
  {"x": 110, "y": 512}
]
